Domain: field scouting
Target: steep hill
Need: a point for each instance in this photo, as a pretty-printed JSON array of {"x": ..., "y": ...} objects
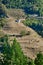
[{"x": 31, "y": 44}]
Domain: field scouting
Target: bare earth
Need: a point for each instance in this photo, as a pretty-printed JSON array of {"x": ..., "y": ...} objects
[{"x": 30, "y": 44}]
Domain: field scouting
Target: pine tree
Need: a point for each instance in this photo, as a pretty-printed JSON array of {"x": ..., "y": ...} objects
[
  {"x": 31, "y": 62},
  {"x": 39, "y": 59},
  {"x": 13, "y": 54},
  {"x": 7, "y": 52},
  {"x": 19, "y": 56}
]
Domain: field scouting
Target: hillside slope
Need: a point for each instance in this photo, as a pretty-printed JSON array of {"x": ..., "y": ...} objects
[
  {"x": 30, "y": 44},
  {"x": 29, "y": 6}
]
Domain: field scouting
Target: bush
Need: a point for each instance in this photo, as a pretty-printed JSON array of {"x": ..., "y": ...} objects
[
  {"x": 23, "y": 33},
  {"x": 31, "y": 62},
  {"x": 3, "y": 21},
  {"x": 39, "y": 59}
]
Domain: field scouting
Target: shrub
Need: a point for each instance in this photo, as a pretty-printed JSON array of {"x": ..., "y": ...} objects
[
  {"x": 3, "y": 21},
  {"x": 39, "y": 59},
  {"x": 23, "y": 33}
]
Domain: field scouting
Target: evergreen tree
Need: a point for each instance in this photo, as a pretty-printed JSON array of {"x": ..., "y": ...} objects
[
  {"x": 20, "y": 59},
  {"x": 39, "y": 59},
  {"x": 7, "y": 52},
  {"x": 31, "y": 62},
  {"x": 13, "y": 54}
]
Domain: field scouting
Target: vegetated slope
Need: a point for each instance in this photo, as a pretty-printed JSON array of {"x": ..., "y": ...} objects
[
  {"x": 30, "y": 6},
  {"x": 35, "y": 23},
  {"x": 16, "y": 13},
  {"x": 31, "y": 44},
  {"x": 3, "y": 10}
]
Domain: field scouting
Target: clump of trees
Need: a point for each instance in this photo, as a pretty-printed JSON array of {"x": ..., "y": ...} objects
[
  {"x": 39, "y": 59},
  {"x": 3, "y": 10},
  {"x": 30, "y": 6},
  {"x": 3, "y": 21},
  {"x": 36, "y": 24},
  {"x": 13, "y": 55}
]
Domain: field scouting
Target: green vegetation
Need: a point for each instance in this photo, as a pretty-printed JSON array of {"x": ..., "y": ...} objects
[
  {"x": 29, "y": 6},
  {"x": 3, "y": 10},
  {"x": 3, "y": 21},
  {"x": 16, "y": 13},
  {"x": 1, "y": 33},
  {"x": 39, "y": 59},
  {"x": 36, "y": 24},
  {"x": 23, "y": 33},
  {"x": 31, "y": 62},
  {"x": 13, "y": 55}
]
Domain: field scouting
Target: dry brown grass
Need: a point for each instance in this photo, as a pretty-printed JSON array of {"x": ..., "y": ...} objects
[
  {"x": 16, "y": 13},
  {"x": 30, "y": 44}
]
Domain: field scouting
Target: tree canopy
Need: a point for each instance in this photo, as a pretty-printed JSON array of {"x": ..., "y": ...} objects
[
  {"x": 3, "y": 12},
  {"x": 30, "y": 6}
]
